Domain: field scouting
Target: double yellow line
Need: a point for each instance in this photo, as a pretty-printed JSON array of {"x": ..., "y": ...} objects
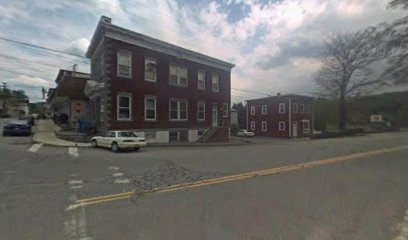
[{"x": 230, "y": 178}]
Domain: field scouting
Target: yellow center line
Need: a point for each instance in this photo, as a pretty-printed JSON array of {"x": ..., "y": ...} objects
[{"x": 230, "y": 178}]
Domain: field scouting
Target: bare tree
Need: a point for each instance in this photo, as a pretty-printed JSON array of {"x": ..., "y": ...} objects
[{"x": 346, "y": 66}]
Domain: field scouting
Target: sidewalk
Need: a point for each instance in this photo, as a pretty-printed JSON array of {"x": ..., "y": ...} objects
[{"x": 44, "y": 132}]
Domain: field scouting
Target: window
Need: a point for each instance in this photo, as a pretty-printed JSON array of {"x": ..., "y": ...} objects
[
  {"x": 306, "y": 126},
  {"x": 308, "y": 108},
  {"x": 201, "y": 110},
  {"x": 282, "y": 108},
  {"x": 178, "y": 136},
  {"x": 178, "y": 75},
  {"x": 295, "y": 108},
  {"x": 110, "y": 134},
  {"x": 252, "y": 110},
  {"x": 282, "y": 126},
  {"x": 126, "y": 134},
  {"x": 150, "y": 136},
  {"x": 124, "y": 64},
  {"x": 124, "y": 107},
  {"x": 225, "y": 110},
  {"x": 201, "y": 80},
  {"x": 264, "y": 126},
  {"x": 264, "y": 109},
  {"x": 178, "y": 109},
  {"x": 150, "y": 70},
  {"x": 302, "y": 108},
  {"x": 150, "y": 108},
  {"x": 253, "y": 125},
  {"x": 215, "y": 82}
]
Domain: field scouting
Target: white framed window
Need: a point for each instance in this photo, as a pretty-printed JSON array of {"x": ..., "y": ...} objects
[
  {"x": 264, "y": 109},
  {"x": 252, "y": 110},
  {"x": 282, "y": 108},
  {"x": 302, "y": 108},
  {"x": 215, "y": 82},
  {"x": 178, "y": 109},
  {"x": 150, "y": 69},
  {"x": 295, "y": 108},
  {"x": 308, "y": 108},
  {"x": 264, "y": 126},
  {"x": 178, "y": 75},
  {"x": 201, "y": 79},
  {"x": 282, "y": 126},
  {"x": 252, "y": 125},
  {"x": 225, "y": 110},
  {"x": 201, "y": 110},
  {"x": 124, "y": 64},
  {"x": 124, "y": 107},
  {"x": 306, "y": 126},
  {"x": 150, "y": 108}
]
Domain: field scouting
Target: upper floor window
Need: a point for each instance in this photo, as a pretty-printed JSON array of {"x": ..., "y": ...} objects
[
  {"x": 215, "y": 82},
  {"x": 252, "y": 110},
  {"x": 178, "y": 75},
  {"x": 302, "y": 108},
  {"x": 282, "y": 108},
  {"x": 178, "y": 109},
  {"x": 150, "y": 70},
  {"x": 201, "y": 110},
  {"x": 225, "y": 109},
  {"x": 150, "y": 108},
  {"x": 124, "y": 63},
  {"x": 124, "y": 107},
  {"x": 295, "y": 108},
  {"x": 264, "y": 109},
  {"x": 308, "y": 108},
  {"x": 201, "y": 79}
]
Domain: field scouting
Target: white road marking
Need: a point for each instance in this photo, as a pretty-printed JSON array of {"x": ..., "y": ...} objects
[
  {"x": 114, "y": 168},
  {"x": 403, "y": 228},
  {"x": 122, "y": 181},
  {"x": 75, "y": 187},
  {"x": 119, "y": 174},
  {"x": 74, "y": 182},
  {"x": 73, "y": 151},
  {"x": 35, "y": 147}
]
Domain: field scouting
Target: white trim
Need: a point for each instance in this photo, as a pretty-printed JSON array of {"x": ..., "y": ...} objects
[
  {"x": 303, "y": 126},
  {"x": 155, "y": 108},
  {"x": 264, "y": 109},
  {"x": 252, "y": 110},
  {"x": 126, "y": 53},
  {"x": 178, "y": 69},
  {"x": 264, "y": 126},
  {"x": 150, "y": 59},
  {"x": 290, "y": 116},
  {"x": 215, "y": 83},
  {"x": 282, "y": 123},
  {"x": 118, "y": 107},
  {"x": 282, "y": 108},
  {"x": 302, "y": 108},
  {"x": 198, "y": 110},
  {"x": 198, "y": 79},
  {"x": 225, "y": 110},
  {"x": 178, "y": 100},
  {"x": 253, "y": 126}
]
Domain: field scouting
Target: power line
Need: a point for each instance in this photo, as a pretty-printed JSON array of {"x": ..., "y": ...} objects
[
  {"x": 249, "y": 91},
  {"x": 24, "y": 74}
]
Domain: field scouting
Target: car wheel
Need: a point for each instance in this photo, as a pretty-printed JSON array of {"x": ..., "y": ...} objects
[
  {"x": 94, "y": 143},
  {"x": 4, "y": 134},
  {"x": 136, "y": 149},
  {"x": 114, "y": 147}
]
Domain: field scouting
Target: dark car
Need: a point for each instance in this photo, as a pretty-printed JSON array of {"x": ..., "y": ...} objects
[{"x": 17, "y": 127}]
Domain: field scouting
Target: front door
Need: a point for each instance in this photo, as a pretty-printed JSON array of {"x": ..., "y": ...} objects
[
  {"x": 214, "y": 115},
  {"x": 294, "y": 129}
]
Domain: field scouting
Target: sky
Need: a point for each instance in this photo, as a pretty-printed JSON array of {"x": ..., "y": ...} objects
[{"x": 276, "y": 45}]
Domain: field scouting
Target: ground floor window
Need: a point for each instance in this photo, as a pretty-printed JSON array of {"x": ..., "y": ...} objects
[
  {"x": 124, "y": 107},
  {"x": 264, "y": 126},
  {"x": 282, "y": 126},
  {"x": 150, "y": 136},
  {"x": 253, "y": 125},
  {"x": 178, "y": 136},
  {"x": 306, "y": 126}
]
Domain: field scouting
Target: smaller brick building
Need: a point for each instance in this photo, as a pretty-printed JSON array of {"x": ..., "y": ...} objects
[{"x": 281, "y": 116}]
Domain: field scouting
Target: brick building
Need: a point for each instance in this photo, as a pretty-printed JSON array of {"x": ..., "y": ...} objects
[
  {"x": 164, "y": 92},
  {"x": 281, "y": 116}
]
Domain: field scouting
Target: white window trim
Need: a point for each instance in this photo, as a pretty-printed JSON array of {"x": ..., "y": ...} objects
[
  {"x": 303, "y": 126},
  {"x": 117, "y": 107},
  {"x": 252, "y": 110},
  {"x": 178, "y": 66},
  {"x": 282, "y": 123},
  {"x": 155, "y": 74},
  {"x": 264, "y": 126},
  {"x": 178, "y": 109},
  {"x": 212, "y": 82},
  {"x": 225, "y": 111},
  {"x": 198, "y": 85},
  {"x": 252, "y": 126},
  {"x": 282, "y": 109},
  {"x": 155, "y": 108},
  {"x": 130, "y": 64},
  {"x": 264, "y": 109},
  {"x": 302, "y": 108},
  {"x": 198, "y": 115},
  {"x": 295, "y": 108}
]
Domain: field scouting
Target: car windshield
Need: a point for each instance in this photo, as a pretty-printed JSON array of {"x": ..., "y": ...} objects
[{"x": 127, "y": 134}]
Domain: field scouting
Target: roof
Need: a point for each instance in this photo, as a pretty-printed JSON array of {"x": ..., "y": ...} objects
[
  {"x": 69, "y": 84},
  {"x": 280, "y": 96},
  {"x": 106, "y": 29}
]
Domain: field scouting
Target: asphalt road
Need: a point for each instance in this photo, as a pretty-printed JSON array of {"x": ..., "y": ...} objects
[{"x": 355, "y": 197}]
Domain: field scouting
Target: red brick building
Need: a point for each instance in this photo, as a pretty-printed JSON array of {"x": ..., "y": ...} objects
[
  {"x": 281, "y": 116},
  {"x": 164, "y": 92}
]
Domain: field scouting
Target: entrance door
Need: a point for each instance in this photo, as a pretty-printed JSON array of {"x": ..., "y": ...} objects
[
  {"x": 214, "y": 115},
  {"x": 294, "y": 129}
]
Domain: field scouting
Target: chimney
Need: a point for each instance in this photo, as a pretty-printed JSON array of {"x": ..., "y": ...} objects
[{"x": 106, "y": 19}]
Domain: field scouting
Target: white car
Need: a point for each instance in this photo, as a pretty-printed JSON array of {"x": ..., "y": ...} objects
[
  {"x": 117, "y": 140},
  {"x": 245, "y": 133}
]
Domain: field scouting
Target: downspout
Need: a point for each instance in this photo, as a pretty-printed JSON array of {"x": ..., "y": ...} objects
[
  {"x": 246, "y": 124},
  {"x": 290, "y": 117}
]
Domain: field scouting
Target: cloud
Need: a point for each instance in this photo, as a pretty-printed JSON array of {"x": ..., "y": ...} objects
[{"x": 79, "y": 46}]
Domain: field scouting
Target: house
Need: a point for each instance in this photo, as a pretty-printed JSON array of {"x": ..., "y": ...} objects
[
  {"x": 281, "y": 116},
  {"x": 68, "y": 97},
  {"x": 14, "y": 108},
  {"x": 234, "y": 116},
  {"x": 163, "y": 92}
]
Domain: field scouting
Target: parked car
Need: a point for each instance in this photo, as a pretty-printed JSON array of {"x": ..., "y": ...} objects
[
  {"x": 117, "y": 140},
  {"x": 17, "y": 127},
  {"x": 245, "y": 133}
]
